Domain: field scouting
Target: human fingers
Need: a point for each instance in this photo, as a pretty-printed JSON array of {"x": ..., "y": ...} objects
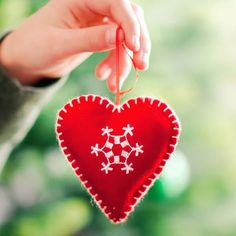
[
  {"x": 124, "y": 70},
  {"x": 90, "y": 39},
  {"x": 104, "y": 68},
  {"x": 141, "y": 57},
  {"x": 123, "y": 14}
]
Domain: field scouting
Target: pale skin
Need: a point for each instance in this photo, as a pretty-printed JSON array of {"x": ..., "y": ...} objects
[{"x": 64, "y": 33}]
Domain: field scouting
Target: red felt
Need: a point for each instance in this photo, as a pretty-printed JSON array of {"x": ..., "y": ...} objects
[{"x": 79, "y": 127}]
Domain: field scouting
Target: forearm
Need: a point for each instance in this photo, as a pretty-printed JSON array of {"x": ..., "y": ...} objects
[
  {"x": 19, "y": 108},
  {"x": 50, "y": 44},
  {"x": 20, "y": 105}
]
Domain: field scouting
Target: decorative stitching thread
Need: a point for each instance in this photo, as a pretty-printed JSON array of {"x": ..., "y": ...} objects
[
  {"x": 149, "y": 181},
  {"x": 117, "y": 140}
]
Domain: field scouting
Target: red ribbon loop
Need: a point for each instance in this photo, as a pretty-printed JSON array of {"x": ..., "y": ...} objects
[{"x": 120, "y": 93}]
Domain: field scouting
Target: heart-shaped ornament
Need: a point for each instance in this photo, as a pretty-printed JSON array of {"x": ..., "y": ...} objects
[{"x": 118, "y": 151}]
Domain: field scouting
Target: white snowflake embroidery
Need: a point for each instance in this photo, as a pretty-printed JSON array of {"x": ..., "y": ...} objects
[{"x": 117, "y": 149}]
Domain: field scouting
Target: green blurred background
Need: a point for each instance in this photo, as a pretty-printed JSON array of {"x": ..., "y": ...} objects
[{"x": 193, "y": 68}]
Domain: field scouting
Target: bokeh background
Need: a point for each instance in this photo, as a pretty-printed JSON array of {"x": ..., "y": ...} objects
[{"x": 193, "y": 68}]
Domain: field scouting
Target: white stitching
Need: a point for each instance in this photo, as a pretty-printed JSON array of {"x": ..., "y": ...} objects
[
  {"x": 114, "y": 109},
  {"x": 165, "y": 109},
  {"x": 71, "y": 104},
  {"x": 151, "y": 179},
  {"x": 127, "y": 104},
  {"x": 151, "y": 102},
  {"x": 101, "y": 101}
]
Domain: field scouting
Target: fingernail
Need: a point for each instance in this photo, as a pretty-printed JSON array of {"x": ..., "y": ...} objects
[
  {"x": 105, "y": 71},
  {"x": 122, "y": 80},
  {"x": 145, "y": 58},
  {"x": 136, "y": 43},
  {"x": 110, "y": 36},
  {"x": 112, "y": 85}
]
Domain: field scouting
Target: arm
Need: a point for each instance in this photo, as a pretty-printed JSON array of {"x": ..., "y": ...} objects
[
  {"x": 19, "y": 108},
  {"x": 51, "y": 43}
]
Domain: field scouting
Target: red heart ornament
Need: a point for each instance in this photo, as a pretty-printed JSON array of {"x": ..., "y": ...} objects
[{"x": 117, "y": 151}]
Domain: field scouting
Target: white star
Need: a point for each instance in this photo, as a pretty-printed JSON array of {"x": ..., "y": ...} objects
[
  {"x": 128, "y": 130},
  {"x": 95, "y": 149},
  {"x": 106, "y": 168},
  {"x": 106, "y": 130},
  {"x": 138, "y": 149},
  {"x": 128, "y": 168}
]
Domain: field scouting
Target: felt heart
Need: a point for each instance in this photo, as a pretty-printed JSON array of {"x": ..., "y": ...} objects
[{"x": 118, "y": 151}]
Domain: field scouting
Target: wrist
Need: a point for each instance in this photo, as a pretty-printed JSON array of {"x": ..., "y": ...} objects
[
  {"x": 2, "y": 51},
  {"x": 12, "y": 65}
]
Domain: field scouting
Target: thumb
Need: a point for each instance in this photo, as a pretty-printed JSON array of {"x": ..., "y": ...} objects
[{"x": 91, "y": 39}]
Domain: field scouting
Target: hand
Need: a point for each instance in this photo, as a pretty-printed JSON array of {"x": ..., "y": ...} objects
[{"x": 64, "y": 33}]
